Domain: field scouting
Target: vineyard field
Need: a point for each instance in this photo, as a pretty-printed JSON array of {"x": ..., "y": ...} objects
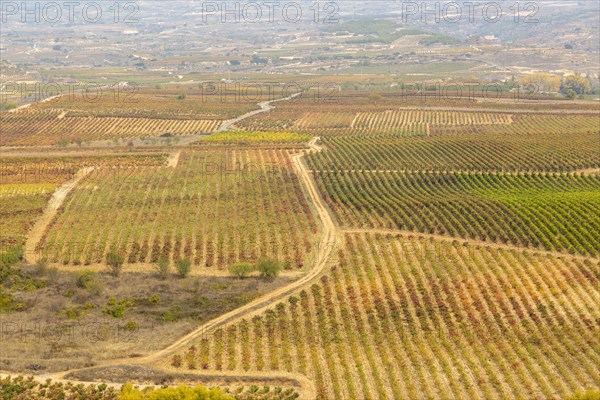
[
  {"x": 248, "y": 137},
  {"x": 353, "y": 114},
  {"x": 128, "y": 113},
  {"x": 20, "y": 206},
  {"x": 167, "y": 102},
  {"x": 391, "y": 120},
  {"x": 387, "y": 121},
  {"x": 47, "y": 129},
  {"x": 483, "y": 151},
  {"x": 216, "y": 207},
  {"x": 536, "y": 210},
  {"x": 58, "y": 169},
  {"x": 27, "y": 183},
  {"x": 408, "y": 318}
]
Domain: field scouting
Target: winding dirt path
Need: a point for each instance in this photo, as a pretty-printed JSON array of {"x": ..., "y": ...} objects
[
  {"x": 24, "y": 106},
  {"x": 264, "y": 107},
  {"x": 328, "y": 244},
  {"x": 37, "y": 231}
]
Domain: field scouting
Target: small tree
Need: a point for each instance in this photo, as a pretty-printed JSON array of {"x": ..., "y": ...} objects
[
  {"x": 183, "y": 267},
  {"x": 163, "y": 266},
  {"x": 241, "y": 270},
  {"x": 176, "y": 361},
  {"x": 115, "y": 263},
  {"x": 268, "y": 269}
]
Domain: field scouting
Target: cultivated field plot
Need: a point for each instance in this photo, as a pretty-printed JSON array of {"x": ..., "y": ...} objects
[
  {"x": 407, "y": 318},
  {"x": 110, "y": 114},
  {"x": 381, "y": 114},
  {"x": 57, "y": 169},
  {"x": 216, "y": 207},
  {"x": 489, "y": 149},
  {"x": 168, "y": 102},
  {"x": 45, "y": 129},
  {"x": 27, "y": 183},
  {"x": 547, "y": 211},
  {"x": 253, "y": 138},
  {"x": 407, "y": 122},
  {"x": 20, "y": 206}
]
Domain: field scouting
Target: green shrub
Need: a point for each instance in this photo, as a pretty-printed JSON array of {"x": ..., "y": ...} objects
[
  {"x": 173, "y": 314},
  {"x": 74, "y": 312},
  {"x": 131, "y": 326},
  {"x": 85, "y": 279},
  {"x": 115, "y": 263},
  {"x": 8, "y": 302},
  {"x": 163, "y": 267},
  {"x": 128, "y": 392},
  {"x": 268, "y": 269},
  {"x": 116, "y": 309},
  {"x": 183, "y": 267},
  {"x": 241, "y": 270}
]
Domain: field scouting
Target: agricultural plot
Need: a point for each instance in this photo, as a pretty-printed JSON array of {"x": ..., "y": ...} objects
[
  {"x": 57, "y": 169},
  {"x": 216, "y": 207},
  {"x": 387, "y": 121},
  {"x": 394, "y": 119},
  {"x": 27, "y": 183},
  {"x": 348, "y": 114},
  {"x": 551, "y": 212},
  {"x": 489, "y": 150},
  {"x": 30, "y": 388},
  {"x": 20, "y": 206},
  {"x": 23, "y": 129},
  {"x": 249, "y": 137},
  {"x": 107, "y": 114},
  {"x": 168, "y": 102},
  {"x": 406, "y": 318}
]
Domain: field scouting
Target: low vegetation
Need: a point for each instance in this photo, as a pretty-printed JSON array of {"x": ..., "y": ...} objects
[{"x": 20, "y": 387}]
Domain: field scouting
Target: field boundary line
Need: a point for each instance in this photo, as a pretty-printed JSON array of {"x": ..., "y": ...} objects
[{"x": 471, "y": 242}]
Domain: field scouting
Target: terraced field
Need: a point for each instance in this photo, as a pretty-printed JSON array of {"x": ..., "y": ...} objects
[
  {"x": 216, "y": 207},
  {"x": 405, "y": 318},
  {"x": 522, "y": 209}
]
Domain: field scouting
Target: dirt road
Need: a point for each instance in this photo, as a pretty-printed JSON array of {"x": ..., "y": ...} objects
[
  {"x": 326, "y": 250},
  {"x": 37, "y": 232},
  {"x": 264, "y": 107}
]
